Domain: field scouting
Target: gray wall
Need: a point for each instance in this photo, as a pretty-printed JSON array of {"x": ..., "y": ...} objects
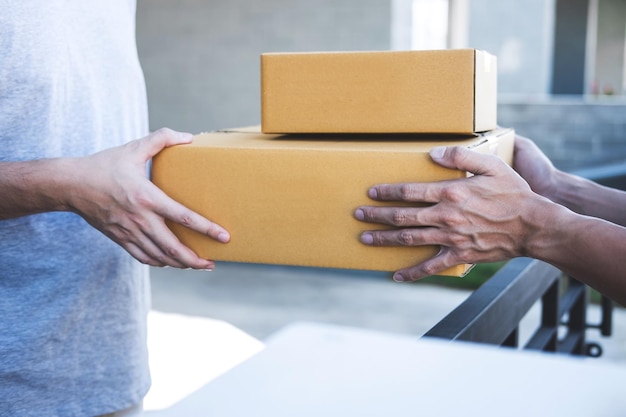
[
  {"x": 610, "y": 45},
  {"x": 201, "y": 57},
  {"x": 573, "y": 133},
  {"x": 201, "y": 61},
  {"x": 521, "y": 34},
  {"x": 570, "y": 41}
]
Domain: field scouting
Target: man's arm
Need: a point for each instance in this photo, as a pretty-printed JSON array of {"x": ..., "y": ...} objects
[
  {"x": 111, "y": 191},
  {"x": 578, "y": 194},
  {"x": 491, "y": 216}
]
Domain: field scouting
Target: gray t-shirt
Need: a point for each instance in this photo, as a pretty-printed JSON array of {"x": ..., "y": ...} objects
[{"x": 73, "y": 304}]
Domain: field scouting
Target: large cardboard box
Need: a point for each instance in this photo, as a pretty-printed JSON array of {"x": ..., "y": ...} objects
[
  {"x": 290, "y": 199},
  {"x": 444, "y": 91}
]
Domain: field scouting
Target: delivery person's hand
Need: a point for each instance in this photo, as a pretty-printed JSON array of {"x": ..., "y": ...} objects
[
  {"x": 112, "y": 192},
  {"x": 484, "y": 218},
  {"x": 494, "y": 215},
  {"x": 535, "y": 167}
]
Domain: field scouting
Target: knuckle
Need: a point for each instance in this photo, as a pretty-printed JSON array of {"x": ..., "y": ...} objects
[
  {"x": 171, "y": 252},
  {"x": 163, "y": 131},
  {"x": 453, "y": 193},
  {"x": 140, "y": 197},
  {"x": 378, "y": 239},
  {"x": 399, "y": 217},
  {"x": 406, "y": 238},
  {"x": 407, "y": 192},
  {"x": 456, "y": 240},
  {"x": 212, "y": 229},
  {"x": 455, "y": 221},
  {"x": 465, "y": 256},
  {"x": 429, "y": 269},
  {"x": 133, "y": 144},
  {"x": 186, "y": 220},
  {"x": 457, "y": 154}
]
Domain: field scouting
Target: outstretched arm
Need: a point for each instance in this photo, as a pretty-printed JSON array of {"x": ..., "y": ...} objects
[
  {"x": 111, "y": 191},
  {"x": 578, "y": 194},
  {"x": 495, "y": 215}
]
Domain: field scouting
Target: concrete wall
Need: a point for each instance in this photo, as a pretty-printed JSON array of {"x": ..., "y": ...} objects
[
  {"x": 609, "y": 69},
  {"x": 570, "y": 42},
  {"x": 201, "y": 57},
  {"x": 520, "y": 34},
  {"x": 201, "y": 61},
  {"x": 575, "y": 134}
]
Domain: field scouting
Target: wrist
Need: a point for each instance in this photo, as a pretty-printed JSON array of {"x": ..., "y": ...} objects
[
  {"x": 567, "y": 190},
  {"x": 58, "y": 187},
  {"x": 546, "y": 225},
  {"x": 36, "y": 186},
  {"x": 52, "y": 183}
]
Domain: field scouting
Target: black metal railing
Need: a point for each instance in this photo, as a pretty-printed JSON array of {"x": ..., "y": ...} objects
[{"x": 492, "y": 314}]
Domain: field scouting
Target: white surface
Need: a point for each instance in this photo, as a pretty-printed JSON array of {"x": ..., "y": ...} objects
[
  {"x": 320, "y": 370},
  {"x": 187, "y": 352}
]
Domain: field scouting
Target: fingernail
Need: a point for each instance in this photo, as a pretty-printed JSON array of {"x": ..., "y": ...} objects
[
  {"x": 209, "y": 267},
  {"x": 398, "y": 278},
  {"x": 372, "y": 193},
  {"x": 359, "y": 214},
  {"x": 223, "y": 237},
  {"x": 367, "y": 238},
  {"x": 437, "y": 152}
]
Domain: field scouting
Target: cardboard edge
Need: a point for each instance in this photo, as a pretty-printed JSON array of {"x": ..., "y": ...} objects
[
  {"x": 478, "y": 123},
  {"x": 257, "y": 129},
  {"x": 485, "y": 91},
  {"x": 263, "y": 127},
  {"x": 475, "y": 80},
  {"x": 499, "y": 141}
]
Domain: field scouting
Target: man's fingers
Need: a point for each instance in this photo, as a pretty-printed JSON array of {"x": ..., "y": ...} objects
[
  {"x": 159, "y": 140},
  {"x": 454, "y": 157},
  {"x": 418, "y": 236},
  {"x": 464, "y": 159},
  {"x": 438, "y": 263},
  {"x": 398, "y": 216},
  {"x": 152, "y": 256},
  {"x": 178, "y": 213},
  {"x": 407, "y": 192},
  {"x": 167, "y": 249}
]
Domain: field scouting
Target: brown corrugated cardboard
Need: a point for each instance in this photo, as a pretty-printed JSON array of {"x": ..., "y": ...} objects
[
  {"x": 290, "y": 199},
  {"x": 444, "y": 91}
]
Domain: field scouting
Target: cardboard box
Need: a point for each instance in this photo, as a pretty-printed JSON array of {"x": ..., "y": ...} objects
[
  {"x": 445, "y": 91},
  {"x": 290, "y": 199}
]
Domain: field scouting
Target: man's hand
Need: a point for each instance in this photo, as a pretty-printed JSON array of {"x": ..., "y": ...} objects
[
  {"x": 112, "y": 192},
  {"x": 482, "y": 218},
  {"x": 535, "y": 167}
]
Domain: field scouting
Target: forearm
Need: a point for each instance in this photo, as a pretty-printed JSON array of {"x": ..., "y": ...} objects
[
  {"x": 589, "y": 249},
  {"x": 587, "y": 197},
  {"x": 34, "y": 186}
]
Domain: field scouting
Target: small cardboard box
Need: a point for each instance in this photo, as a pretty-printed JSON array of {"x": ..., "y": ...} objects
[
  {"x": 290, "y": 200},
  {"x": 444, "y": 91}
]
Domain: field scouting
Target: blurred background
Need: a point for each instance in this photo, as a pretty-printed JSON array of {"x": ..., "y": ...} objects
[
  {"x": 561, "y": 62},
  {"x": 561, "y": 81}
]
